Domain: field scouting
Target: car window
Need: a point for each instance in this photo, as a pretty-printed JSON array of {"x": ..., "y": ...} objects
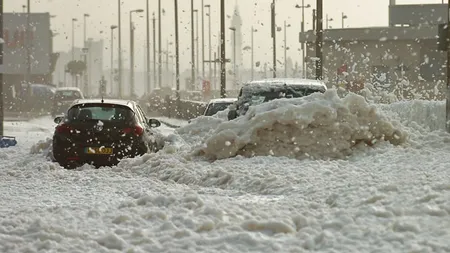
[
  {"x": 67, "y": 95},
  {"x": 214, "y": 108},
  {"x": 103, "y": 112},
  {"x": 140, "y": 114}
]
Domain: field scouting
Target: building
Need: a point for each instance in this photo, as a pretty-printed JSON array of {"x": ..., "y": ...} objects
[
  {"x": 94, "y": 67},
  {"x": 16, "y": 49},
  {"x": 401, "y": 58}
]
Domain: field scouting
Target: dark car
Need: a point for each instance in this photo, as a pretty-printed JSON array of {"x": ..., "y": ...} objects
[
  {"x": 102, "y": 132},
  {"x": 261, "y": 91},
  {"x": 63, "y": 98}
]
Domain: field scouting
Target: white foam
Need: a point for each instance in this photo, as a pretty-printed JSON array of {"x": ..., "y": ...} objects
[{"x": 317, "y": 126}]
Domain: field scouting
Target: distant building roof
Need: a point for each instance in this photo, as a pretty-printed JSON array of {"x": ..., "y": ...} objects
[{"x": 374, "y": 33}]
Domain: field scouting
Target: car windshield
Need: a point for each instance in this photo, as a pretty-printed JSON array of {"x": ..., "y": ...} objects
[
  {"x": 103, "y": 112},
  {"x": 262, "y": 96},
  {"x": 67, "y": 95},
  {"x": 214, "y": 108}
]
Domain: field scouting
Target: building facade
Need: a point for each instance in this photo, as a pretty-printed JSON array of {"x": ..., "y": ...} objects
[{"x": 402, "y": 58}]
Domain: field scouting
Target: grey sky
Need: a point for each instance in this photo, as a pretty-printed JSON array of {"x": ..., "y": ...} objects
[{"x": 254, "y": 12}]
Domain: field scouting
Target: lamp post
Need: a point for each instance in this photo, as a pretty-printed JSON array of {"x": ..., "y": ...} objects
[
  {"x": 203, "y": 40},
  {"x": 343, "y": 17},
  {"x": 319, "y": 40},
  {"x": 302, "y": 29},
  {"x": 120, "y": 52},
  {"x": 159, "y": 45},
  {"x": 209, "y": 40},
  {"x": 28, "y": 48},
  {"x": 1, "y": 73},
  {"x": 223, "y": 73},
  {"x": 85, "y": 75},
  {"x": 197, "y": 43},
  {"x": 132, "y": 51},
  {"x": 274, "y": 37},
  {"x": 327, "y": 20},
  {"x": 73, "y": 44},
  {"x": 234, "y": 53},
  {"x": 147, "y": 30},
  {"x": 73, "y": 37},
  {"x": 285, "y": 47},
  {"x": 192, "y": 47},
  {"x": 155, "y": 81},
  {"x": 112, "y": 57},
  {"x": 177, "y": 55},
  {"x": 252, "y": 48}
]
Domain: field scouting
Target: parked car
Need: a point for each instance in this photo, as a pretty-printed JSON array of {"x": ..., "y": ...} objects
[
  {"x": 63, "y": 98},
  {"x": 102, "y": 132},
  {"x": 40, "y": 98},
  {"x": 261, "y": 91},
  {"x": 218, "y": 104}
]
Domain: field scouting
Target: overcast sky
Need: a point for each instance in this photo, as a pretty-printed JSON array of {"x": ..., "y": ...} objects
[{"x": 103, "y": 14}]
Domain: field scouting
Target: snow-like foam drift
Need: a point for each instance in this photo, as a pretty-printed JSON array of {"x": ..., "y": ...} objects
[{"x": 318, "y": 126}]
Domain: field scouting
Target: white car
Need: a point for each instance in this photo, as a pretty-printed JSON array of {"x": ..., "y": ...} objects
[{"x": 219, "y": 104}]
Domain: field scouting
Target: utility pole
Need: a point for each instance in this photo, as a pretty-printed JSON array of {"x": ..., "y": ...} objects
[
  {"x": 177, "y": 55},
  {"x": 1, "y": 69},
  {"x": 112, "y": 58},
  {"x": 197, "y": 44},
  {"x": 131, "y": 58},
  {"x": 285, "y": 50},
  {"x": 28, "y": 48},
  {"x": 147, "y": 75},
  {"x": 319, "y": 40},
  {"x": 223, "y": 73},
  {"x": 192, "y": 48},
  {"x": 85, "y": 52},
  {"x": 209, "y": 41},
  {"x": 274, "y": 39},
  {"x": 253, "y": 52},
  {"x": 120, "y": 53},
  {"x": 447, "y": 106},
  {"x": 159, "y": 45},
  {"x": 203, "y": 40},
  {"x": 155, "y": 81}
]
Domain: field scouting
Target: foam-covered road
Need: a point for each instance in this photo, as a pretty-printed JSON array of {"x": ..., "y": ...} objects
[{"x": 386, "y": 198}]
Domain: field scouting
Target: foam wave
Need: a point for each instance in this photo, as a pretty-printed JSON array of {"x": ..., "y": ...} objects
[{"x": 318, "y": 126}]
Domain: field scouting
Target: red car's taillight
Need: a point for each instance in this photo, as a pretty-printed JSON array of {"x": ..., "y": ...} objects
[
  {"x": 63, "y": 128},
  {"x": 137, "y": 130}
]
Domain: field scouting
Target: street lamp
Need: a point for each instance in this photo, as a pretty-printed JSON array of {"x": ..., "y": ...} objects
[
  {"x": 177, "y": 56},
  {"x": 85, "y": 76},
  {"x": 209, "y": 40},
  {"x": 303, "y": 6},
  {"x": 120, "y": 50},
  {"x": 343, "y": 17},
  {"x": 203, "y": 40},
  {"x": 113, "y": 27},
  {"x": 192, "y": 47},
  {"x": 253, "y": 64},
  {"x": 285, "y": 48},
  {"x": 197, "y": 42},
  {"x": 159, "y": 45},
  {"x": 73, "y": 37},
  {"x": 155, "y": 81},
  {"x": 326, "y": 20},
  {"x": 132, "y": 50},
  {"x": 147, "y": 75},
  {"x": 234, "y": 53}
]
